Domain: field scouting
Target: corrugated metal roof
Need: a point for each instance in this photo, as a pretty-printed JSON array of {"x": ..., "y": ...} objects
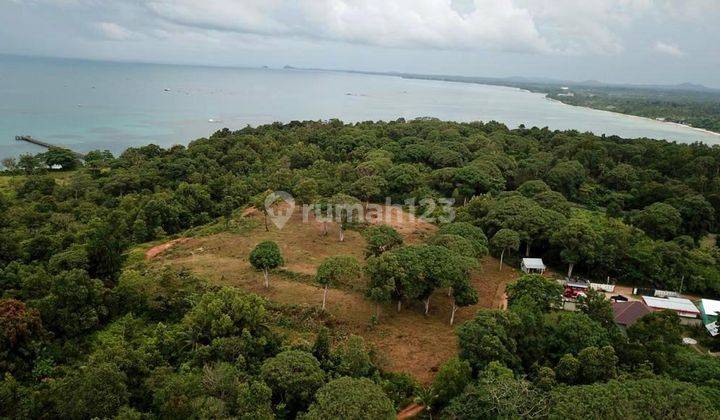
[
  {"x": 710, "y": 307},
  {"x": 535, "y": 263},
  {"x": 672, "y": 303}
]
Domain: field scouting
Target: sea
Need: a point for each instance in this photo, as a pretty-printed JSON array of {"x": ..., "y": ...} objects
[{"x": 91, "y": 105}]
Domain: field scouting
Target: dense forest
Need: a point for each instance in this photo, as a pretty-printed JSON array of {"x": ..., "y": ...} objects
[{"x": 87, "y": 330}]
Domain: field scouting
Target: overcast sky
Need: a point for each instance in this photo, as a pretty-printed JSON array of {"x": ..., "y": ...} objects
[{"x": 635, "y": 41}]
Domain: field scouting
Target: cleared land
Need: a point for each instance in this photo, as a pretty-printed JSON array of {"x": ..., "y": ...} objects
[{"x": 406, "y": 341}]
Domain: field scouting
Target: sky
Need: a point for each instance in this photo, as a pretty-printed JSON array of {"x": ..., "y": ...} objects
[{"x": 617, "y": 41}]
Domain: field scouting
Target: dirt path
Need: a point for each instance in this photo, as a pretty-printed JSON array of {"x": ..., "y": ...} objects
[
  {"x": 411, "y": 411},
  {"x": 159, "y": 249}
]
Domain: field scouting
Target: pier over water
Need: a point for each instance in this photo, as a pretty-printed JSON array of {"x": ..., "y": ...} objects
[{"x": 46, "y": 145}]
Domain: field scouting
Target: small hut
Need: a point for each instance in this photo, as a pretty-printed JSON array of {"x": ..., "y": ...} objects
[{"x": 532, "y": 265}]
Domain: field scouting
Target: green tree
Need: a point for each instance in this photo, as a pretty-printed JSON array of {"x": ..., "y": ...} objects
[
  {"x": 402, "y": 178},
  {"x": 533, "y": 187},
  {"x": 498, "y": 394},
  {"x": 306, "y": 191},
  {"x": 29, "y": 164},
  {"x": 454, "y": 243},
  {"x": 489, "y": 337},
  {"x": 386, "y": 274},
  {"x": 659, "y": 220},
  {"x": 570, "y": 333},
  {"x": 478, "y": 177},
  {"x": 225, "y": 313},
  {"x": 641, "y": 398},
  {"x": 350, "y": 398},
  {"x": 595, "y": 305},
  {"x": 524, "y": 216},
  {"x": 90, "y": 392},
  {"x": 369, "y": 188},
  {"x": 505, "y": 240},
  {"x": 451, "y": 380},
  {"x": 568, "y": 369},
  {"x": 545, "y": 292},
  {"x": 336, "y": 270},
  {"x": 75, "y": 304},
  {"x": 104, "y": 249},
  {"x": 261, "y": 204},
  {"x": 64, "y": 158},
  {"x": 347, "y": 212},
  {"x": 566, "y": 177},
  {"x": 266, "y": 256},
  {"x": 381, "y": 238},
  {"x": 597, "y": 364},
  {"x": 440, "y": 268},
  {"x": 463, "y": 294},
  {"x": 254, "y": 401},
  {"x": 472, "y": 233},
  {"x": 578, "y": 241},
  {"x": 293, "y": 376},
  {"x": 353, "y": 358}
]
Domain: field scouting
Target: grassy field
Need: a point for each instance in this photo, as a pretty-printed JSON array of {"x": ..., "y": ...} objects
[
  {"x": 6, "y": 181},
  {"x": 405, "y": 341}
]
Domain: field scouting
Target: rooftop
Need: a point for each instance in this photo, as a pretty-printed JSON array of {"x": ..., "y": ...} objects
[
  {"x": 534, "y": 263},
  {"x": 627, "y": 313},
  {"x": 672, "y": 303},
  {"x": 710, "y": 307}
]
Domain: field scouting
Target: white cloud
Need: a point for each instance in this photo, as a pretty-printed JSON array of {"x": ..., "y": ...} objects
[
  {"x": 667, "y": 48},
  {"x": 493, "y": 24},
  {"x": 113, "y": 31}
]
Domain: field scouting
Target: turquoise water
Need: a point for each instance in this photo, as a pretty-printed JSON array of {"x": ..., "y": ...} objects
[{"x": 96, "y": 105}]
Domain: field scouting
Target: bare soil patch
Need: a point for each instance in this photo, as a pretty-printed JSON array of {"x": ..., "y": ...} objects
[
  {"x": 406, "y": 341},
  {"x": 159, "y": 249}
]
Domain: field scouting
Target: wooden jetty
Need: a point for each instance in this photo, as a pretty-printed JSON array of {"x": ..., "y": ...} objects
[{"x": 46, "y": 145}]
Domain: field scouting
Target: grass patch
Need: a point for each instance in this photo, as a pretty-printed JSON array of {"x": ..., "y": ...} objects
[{"x": 237, "y": 226}]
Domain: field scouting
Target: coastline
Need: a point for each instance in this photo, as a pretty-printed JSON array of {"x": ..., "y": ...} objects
[
  {"x": 547, "y": 96},
  {"x": 703, "y": 130}
]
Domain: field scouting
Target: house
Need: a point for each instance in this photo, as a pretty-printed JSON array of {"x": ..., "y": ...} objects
[
  {"x": 532, "y": 265},
  {"x": 709, "y": 310},
  {"x": 627, "y": 313},
  {"x": 684, "y": 307}
]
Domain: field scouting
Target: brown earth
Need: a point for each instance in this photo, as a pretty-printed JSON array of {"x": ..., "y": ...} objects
[
  {"x": 406, "y": 341},
  {"x": 159, "y": 249}
]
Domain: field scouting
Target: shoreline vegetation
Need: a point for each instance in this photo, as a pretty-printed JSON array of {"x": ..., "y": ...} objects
[
  {"x": 635, "y": 99},
  {"x": 687, "y": 105},
  {"x": 702, "y": 130}
]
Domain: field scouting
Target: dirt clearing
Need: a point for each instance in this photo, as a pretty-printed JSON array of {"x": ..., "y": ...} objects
[{"x": 406, "y": 341}]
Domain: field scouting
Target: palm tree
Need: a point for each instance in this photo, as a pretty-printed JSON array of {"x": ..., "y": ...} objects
[{"x": 425, "y": 396}]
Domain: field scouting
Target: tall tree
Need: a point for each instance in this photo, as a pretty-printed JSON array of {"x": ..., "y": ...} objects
[
  {"x": 463, "y": 294},
  {"x": 347, "y": 212},
  {"x": 385, "y": 275},
  {"x": 381, "y": 238},
  {"x": 578, "y": 241},
  {"x": 266, "y": 256},
  {"x": 336, "y": 270},
  {"x": 349, "y": 398},
  {"x": 505, "y": 240}
]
